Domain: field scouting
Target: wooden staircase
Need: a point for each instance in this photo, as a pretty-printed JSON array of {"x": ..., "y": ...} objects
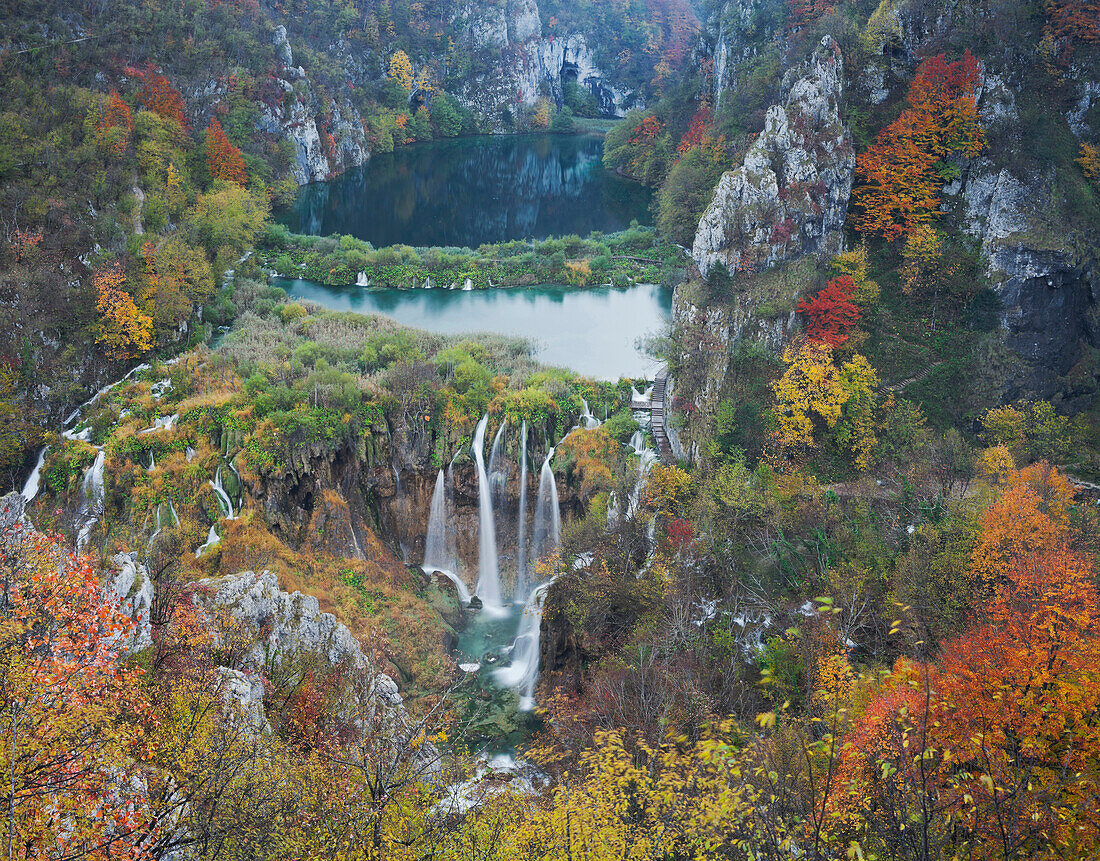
[{"x": 657, "y": 417}]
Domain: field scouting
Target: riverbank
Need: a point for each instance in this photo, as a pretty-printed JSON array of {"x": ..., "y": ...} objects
[{"x": 633, "y": 256}]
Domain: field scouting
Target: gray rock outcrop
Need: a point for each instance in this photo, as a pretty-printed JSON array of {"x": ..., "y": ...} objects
[
  {"x": 531, "y": 66},
  {"x": 790, "y": 195}
]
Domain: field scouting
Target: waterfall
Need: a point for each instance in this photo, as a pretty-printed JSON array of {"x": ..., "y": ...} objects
[
  {"x": 547, "y": 536},
  {"x": 212, "y": 538},
  {"x": 436, "y": 543},
  {"x": 223, "y": 498},
  {"x": 30, "y": 488},
  {"x": 152, "y": 461},
  {"x": 587, "y": 420},
  {"x": 91, "y": 490},
  {"x": 521, "y": 529},
  {"x": 646, "y": 458},
  {"x": 488, "y": 580},
  {"x": 452, "y": 539},
  {"x": 497, "y": 476},
  {"x": 523, "y": 671}
]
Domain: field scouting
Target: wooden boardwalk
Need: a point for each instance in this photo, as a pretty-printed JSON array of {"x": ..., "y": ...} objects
[{"x": 656, "y": 408}]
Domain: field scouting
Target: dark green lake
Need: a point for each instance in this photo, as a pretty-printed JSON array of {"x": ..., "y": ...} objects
[
  {"x": 471, "y": 191},
  {"x": 592, "y": 330}
]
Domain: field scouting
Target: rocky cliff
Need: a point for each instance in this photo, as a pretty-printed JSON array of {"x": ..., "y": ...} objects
[
  {"x": 531, "y": 66},
  {"x": 789, "y": 197}
]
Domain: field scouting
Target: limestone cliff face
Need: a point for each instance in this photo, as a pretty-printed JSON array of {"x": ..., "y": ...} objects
[
  {"x": 531, "y": 66},
  {"x": 295, "y": 118},
  {"x": 790, "y": 196},
  {"x": 1048, "y": 288},
  {"x": 739, "y": 36}
]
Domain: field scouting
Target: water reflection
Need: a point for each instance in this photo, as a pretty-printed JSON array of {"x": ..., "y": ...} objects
[
  {"x": 591, "y": 330},
  {"x": 469, "y": 191}
]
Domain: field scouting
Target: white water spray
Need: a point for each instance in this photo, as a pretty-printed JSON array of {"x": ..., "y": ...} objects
[
  {"x": 523, "y": 671},
  {"x": 30, "y": 488},
  {"x": 547, "y": 537},
  {"x": 488, "y": 581},
  {"x": 521, "y": 528},
  {"x": 223, "y": 498}
]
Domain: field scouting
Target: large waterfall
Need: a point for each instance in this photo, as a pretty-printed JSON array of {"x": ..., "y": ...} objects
[
  {"x": 521, "y": 529},
  {"x": 547, "y": 535},
  {"x": 488, "y": 580},
  {"x": 523, "y": 672}
]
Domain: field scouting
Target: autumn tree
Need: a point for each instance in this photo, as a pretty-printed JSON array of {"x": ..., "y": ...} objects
[
  {"x": 159, "y": 96},
  {"x": 814, "y": 393},
  {"x": 830, "y": 312},
  {"x": 401, "y": 69},
  {"x": 902, "y": 172},
  {"x": 114, "y": 126},
  {"x": 71, "y": 740},
  {"x": 223, "y": 160},
  {"x": 124, "y": 331}
]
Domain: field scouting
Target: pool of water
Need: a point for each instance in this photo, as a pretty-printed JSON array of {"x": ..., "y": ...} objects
[
  {"x": 470, "y": 191},
  {"x": 590, "y": 330}
]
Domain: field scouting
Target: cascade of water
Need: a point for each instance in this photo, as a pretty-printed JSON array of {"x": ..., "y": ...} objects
[
  {"x": 452, "y": 538},
  {"x": 223, "y": 498},
  {"x": 30, "y": 488},
  {"x": 152, "y": 461},
  {"x": 212, "y": 538},
  {"x": 488, "y": 580},
  {"x": 435, "y": 542},
  {"x": 523, "y": 671},
  {"x": 547, "y": 535},
  {"x": 91, "y": 490},
  {"x": 588, "y": 421},
  {"x": 498, "y": 480},
  {"x": 156, "y": 531},
  {"x": 172, "y": 509},
  {"x": 521, "y": 528}
]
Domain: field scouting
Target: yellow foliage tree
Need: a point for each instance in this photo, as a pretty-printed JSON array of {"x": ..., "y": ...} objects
[
  {"x": 401, "y": 69},
  {"x": 541, "y": 118},
  {"x": 855, "y": 265},
  {"x": 813, "y": 390},
  {"x": 124, "y": 331}
]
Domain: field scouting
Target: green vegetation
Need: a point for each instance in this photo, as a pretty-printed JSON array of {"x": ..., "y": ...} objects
[{"x": 636, "y": 255}]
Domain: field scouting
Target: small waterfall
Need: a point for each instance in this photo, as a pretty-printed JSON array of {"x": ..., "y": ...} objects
[
  {"x": 488, "y": 580},
  {"x": 646, "y": 458},
  {"x": 547, "y": 537},
  {"x": 152, "y": 461},
  {"x": 587, "y": 420},
  {"x": 156, "y": 531},
  {"x": 212, "y": 538},
  {"x": 521, "y": 528},
  {"x": 172, "y": 509},
  {"x": 91, "y": 490},
  {"x": 223, "y": 498},
  {"x": 30, "y": 488},
  {"x": 523, "y": 671}
]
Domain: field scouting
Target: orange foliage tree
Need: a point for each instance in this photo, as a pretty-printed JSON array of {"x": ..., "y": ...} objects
[
  {"x": 70, "y": 740},
  {"x": 124, "y": 331},
  {"x": 1073, "y": 22},
  {"x": 222, "y": 158},
  {"x": 994, "y": 748},
  {"x": 158, "y": 95},
  {"x": 112, "y": 132},
  {"x": 831, "y": 313},
  {"x": 902, "y": 172}
]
